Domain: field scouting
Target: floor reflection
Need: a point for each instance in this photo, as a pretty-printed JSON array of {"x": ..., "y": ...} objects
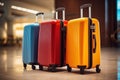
[
  {"x": 11, "y": 67},
  {"x": 10, "y": 58},
  {"x": 118, "y": 74}
]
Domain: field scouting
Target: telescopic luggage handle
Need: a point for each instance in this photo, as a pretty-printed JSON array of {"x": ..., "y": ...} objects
[
  {"x": 86, "y": 6},
  {"x": 63, "y": 12},
  {"x": 42, "y": 16}
]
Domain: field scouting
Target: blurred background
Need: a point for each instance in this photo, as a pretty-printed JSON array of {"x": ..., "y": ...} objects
[{"x": 15, "y": 14}]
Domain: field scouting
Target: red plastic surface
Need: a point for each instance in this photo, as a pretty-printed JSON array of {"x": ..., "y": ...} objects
[{"x": 49, "y": 43}]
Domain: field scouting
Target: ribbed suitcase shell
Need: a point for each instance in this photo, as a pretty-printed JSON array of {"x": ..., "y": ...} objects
[
  {"x": 77, "y": 47},
  {"x": 30, "y": 43},
  {"x": 49, "y": 48}
]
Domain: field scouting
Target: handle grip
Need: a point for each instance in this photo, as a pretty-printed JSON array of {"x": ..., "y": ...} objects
[
  {"x": 40, "y": 13},
  {"x": 94, "y": 49},
  {"x": 63, "y": 12},
  {"x": 86, "y": 6},
  {"x": 60, "y": 9},
  {"x": 42, "y": 16}
]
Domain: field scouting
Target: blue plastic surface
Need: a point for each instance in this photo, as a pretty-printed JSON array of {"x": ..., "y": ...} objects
[{"x": 30, "y": 43}]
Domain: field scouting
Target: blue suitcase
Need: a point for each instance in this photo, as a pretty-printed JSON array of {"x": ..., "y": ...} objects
[{"x": 30, "y": 44}]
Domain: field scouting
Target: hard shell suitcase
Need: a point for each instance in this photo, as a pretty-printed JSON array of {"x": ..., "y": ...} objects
[
  {"x": 83, "y": 43},
  {"x": 51, "y": 47},
  {"x": 30, "y": 44}
]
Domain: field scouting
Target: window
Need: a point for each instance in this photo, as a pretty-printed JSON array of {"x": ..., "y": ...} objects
[{"x": 118, "y": 10}]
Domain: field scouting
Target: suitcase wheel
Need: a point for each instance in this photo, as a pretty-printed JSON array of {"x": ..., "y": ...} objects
[
  {"x": 52, "y": 68},
  {"x": 40, "y": 67},
  {"x": 33, "y": 67},
  {"x": 69, "y": 69},
  {"x": 82, "y": 70},
  {"x": 25, "y": 66},
  {"x": 98, "y": 70}
]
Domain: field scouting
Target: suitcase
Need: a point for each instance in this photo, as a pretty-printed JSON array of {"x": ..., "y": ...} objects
[
  {"x": 51, "y": 47},
  {"x": 83, "y": 43},
  {"x": 30, "y": 44}
]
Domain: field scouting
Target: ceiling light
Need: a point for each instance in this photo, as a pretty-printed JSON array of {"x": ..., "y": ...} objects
[{"x": 24, "y": 9}]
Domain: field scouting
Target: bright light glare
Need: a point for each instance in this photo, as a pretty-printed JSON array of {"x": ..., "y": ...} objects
[
  {"x": 21, "y": 8},
  {"x": 1, "y": 4},
  {"x": 118, "y": 4},
  {"x": 24, "y": 9},
  {"x": 19, "y": 29}
]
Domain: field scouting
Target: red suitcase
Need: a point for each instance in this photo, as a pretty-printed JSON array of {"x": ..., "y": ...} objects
[{"x": 51, "y": 45}]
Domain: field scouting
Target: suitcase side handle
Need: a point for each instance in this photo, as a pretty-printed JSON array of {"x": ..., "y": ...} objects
[
  {"x": 86, "y": 6},
  {"x": 42, "y": 16},
  {"x": 63, "y": 12},
  {"x": 94, "y": 49}
]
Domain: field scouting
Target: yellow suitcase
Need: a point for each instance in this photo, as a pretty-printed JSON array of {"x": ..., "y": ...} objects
[{"x": 83, "y": 43}]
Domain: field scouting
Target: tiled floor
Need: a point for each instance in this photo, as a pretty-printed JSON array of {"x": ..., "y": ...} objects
[{"x": 11, "y": 67}]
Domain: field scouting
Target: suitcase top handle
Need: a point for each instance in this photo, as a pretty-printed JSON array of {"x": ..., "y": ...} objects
[
  {"x": 42, "y": 16},
  {"x": 63, "y": 12},
  {"x": 86, "y": 6}
]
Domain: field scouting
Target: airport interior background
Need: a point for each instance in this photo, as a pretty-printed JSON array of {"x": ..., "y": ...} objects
[{"x": 15, "y": 14}]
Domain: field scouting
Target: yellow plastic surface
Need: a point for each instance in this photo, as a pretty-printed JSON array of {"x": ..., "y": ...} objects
[
  {"x": 96, "y": 55},
  {"x": 77, "y": 43}
]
